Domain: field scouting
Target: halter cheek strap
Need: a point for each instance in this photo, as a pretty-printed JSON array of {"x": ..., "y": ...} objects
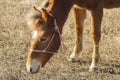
[{"x": 45, "y": 50}]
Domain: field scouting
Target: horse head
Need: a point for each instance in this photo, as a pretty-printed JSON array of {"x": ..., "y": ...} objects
[{"x": 45, "y": 39}]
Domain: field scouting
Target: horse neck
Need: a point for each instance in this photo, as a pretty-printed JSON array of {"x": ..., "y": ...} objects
[{"x": 60, "y": 11}]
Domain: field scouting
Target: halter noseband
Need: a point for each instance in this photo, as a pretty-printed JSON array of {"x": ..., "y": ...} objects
[{"x": 45, "y": 50}]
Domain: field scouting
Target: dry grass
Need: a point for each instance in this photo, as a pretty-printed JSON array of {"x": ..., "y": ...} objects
[{"x": 15, "y": 38}]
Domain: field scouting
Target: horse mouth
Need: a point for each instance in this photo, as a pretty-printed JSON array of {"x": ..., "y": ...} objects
[
  {"x": 34, "y": 72},
  {"x": 33, "y": 69}
]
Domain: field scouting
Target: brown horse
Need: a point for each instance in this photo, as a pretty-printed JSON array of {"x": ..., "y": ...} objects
[{"x": 48, "y": 24}]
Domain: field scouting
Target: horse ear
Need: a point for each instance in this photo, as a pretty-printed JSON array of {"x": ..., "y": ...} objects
[
  {"x": 35, "y": 9},
  {"x": 45, "y": 14}
]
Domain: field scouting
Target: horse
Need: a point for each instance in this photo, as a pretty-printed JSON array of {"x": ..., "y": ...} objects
[{"x": 48, "y": 23}]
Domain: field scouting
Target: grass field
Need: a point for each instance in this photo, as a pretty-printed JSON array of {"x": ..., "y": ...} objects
[{"x": 15, "y": 38}]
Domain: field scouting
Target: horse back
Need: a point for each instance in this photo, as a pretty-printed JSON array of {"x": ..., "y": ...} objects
[{"x": 111, "y": 3}]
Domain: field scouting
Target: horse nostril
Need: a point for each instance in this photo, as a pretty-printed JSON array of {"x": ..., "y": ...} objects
[{"x": 30, "y": 69}]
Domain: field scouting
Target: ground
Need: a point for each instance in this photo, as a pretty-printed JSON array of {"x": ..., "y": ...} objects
[{"x": 15, "y": 38}]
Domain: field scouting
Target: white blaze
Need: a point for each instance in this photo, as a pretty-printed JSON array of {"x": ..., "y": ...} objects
[{"x": 34, "y": 34}]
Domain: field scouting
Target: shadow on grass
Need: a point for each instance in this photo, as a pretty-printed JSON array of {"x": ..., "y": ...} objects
[
  {"x": 81, "y": 62},
  {"x": 109, "y": 68}
]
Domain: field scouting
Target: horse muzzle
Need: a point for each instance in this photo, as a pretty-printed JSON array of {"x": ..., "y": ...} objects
[{"x": 34, "y": 67}]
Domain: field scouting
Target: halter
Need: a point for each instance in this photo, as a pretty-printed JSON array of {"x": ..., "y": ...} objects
[{"x": 45, "y": 50}]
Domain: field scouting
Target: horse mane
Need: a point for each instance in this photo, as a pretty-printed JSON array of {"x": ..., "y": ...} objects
[{"x": 32, "y": 16}]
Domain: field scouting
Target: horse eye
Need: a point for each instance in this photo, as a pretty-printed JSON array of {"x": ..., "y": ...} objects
[
  {"x": 42, "y": 39},
  {"x": 41, "y": 22}
]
